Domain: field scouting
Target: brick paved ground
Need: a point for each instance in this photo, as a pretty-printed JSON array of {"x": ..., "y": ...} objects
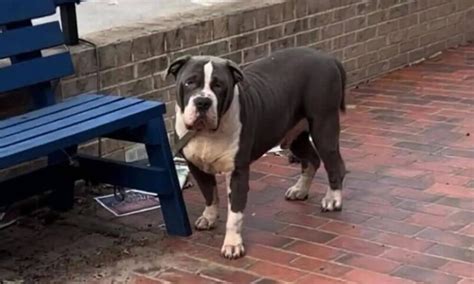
[{"x": 408, "y": 212}]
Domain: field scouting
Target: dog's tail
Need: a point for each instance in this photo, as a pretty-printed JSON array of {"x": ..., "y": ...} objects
[{"x": 342, "y": 71}]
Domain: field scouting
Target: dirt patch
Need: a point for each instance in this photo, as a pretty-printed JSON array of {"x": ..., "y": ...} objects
[{"x": 84, "y": 244}]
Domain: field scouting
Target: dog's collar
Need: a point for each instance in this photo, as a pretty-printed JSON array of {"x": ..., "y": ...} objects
[{"x": 183, "y": 141}]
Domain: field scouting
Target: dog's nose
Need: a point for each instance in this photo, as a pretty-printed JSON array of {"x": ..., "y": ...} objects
[{"x": 202, "y": 103}]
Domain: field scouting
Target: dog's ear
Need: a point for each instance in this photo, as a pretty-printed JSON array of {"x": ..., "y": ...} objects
[
  {"x": 236, "y": 71},
  {"x": 176, "y": 65}
]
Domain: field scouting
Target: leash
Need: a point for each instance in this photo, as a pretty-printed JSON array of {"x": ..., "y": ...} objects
[{"x": 183, "y": 141}]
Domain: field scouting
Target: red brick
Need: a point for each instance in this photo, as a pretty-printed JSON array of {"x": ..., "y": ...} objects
[
  {"x": 379, "y": 199},
  {"x": 407, "y": 193},
  {"x": 435, "y": 167},
  {"x": 349, "y": 230},
  {"x": 450, "y": 190},
  {"x": 276, "y": 170},
  {"x": 270, "y": 254},
  {"x": 267, "y": 281},
  {"x": 256, "y": 185},
  {"x": 404, "y": 172},
  {"x": 424, "y": 275},
  {"x": 451, "y": 179},
  {"x": 434, "y": 221},
  {"x": 458, "y": 203},
  {"x": 255, "y": 176},
  {"x": 263, "y": 223},
  {"x": 314, "y": 250},
  {"x": 307, "y": 234},
  {"x": 280, "y": 182},
  {"x": 466, "y": 281},
  {"x": 265, "y": 238},
  {"x": 142, "y": 279},
  {"x": 457, "y": 253},
  {"x": 468, "y": 230},
  {"x": 357, "y": 246},
  {"x": 177, "y": 276},
  {"x": 274, "y": 271},
  {"x": 459, "y": 269},
  {"x": 319, "y": 266},
  {"x": 213, "y": 254},
  {"x": 393, "y": 226},
  {"x": 377, "y": 210},
  {"x": 313, "y": 278},
  {"x": 414, "y": 258},
  {"x": 228, "y": 275},
  {"x": 410, "y": 243},
  {"x": 346, "y": 216},
  {"x": 364, "y": 277},
  {"x": 300, "y": 219},
  {"x": 446, "y": 237},
  {"x": 429, "y": 208},
  {"x": 275, "y": 160},
  {"x": 371, "y": 263}
]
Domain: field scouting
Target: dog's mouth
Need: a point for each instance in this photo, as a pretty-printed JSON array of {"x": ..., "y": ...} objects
[{"x": 199, "y": 124}]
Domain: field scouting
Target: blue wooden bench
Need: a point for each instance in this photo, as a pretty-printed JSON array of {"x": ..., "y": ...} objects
[{"x": 55, "y": 129}]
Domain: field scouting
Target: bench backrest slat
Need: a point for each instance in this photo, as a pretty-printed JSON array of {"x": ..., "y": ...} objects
[
  {"x": 24, "y": 44},
  {"x": 29, "y": 39},
  {"x": 19, "y": 10},
  {"x": 35, "y": 71}
]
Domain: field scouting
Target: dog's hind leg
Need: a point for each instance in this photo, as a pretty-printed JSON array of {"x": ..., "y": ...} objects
[
  {"x": 325, "y": 133},
  {"x": 208, "y": 186},
  {"x": 302, "y": 148}
]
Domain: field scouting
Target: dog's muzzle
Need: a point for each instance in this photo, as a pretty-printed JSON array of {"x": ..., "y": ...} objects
[{"x": 202, "y": 104}]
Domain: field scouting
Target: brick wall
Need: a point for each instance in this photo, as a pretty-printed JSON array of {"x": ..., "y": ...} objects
[{"x": 370, "y": 37}]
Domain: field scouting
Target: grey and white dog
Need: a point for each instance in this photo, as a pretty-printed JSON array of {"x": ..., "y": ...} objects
[{"x": 239, "y": 115}]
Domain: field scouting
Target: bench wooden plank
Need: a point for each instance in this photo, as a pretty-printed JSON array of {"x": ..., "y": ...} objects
[
  {"x": 88, "y": 114},
  {"x": 42, "y": 145},
  {"x": 28, "y": 39},
  {"x": 16, "y": 11},
  {"x": 54, "y": 117},
  {"x": 145, "y": 178},
  {"x": 51, "y": 67},
  {"x": 67, "y": 104}
]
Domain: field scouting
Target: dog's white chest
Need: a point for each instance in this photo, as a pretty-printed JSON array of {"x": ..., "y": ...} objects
[{"x": 212, "y": 156}]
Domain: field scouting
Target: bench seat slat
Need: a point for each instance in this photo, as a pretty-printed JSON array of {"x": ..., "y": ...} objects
[
  {"x": 95, "y": 113},
  {"x": 20, "y": 10},
  {"x": 67, "y": 104},
  {"x": 65, "y": 115},
  {"x": 28, "y": 39},
  {"x": 63, "y": 137},
  {"x": 35, "y": 71}
]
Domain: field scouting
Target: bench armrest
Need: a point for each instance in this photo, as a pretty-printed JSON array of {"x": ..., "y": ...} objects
[{"x": 69, "y": 20}]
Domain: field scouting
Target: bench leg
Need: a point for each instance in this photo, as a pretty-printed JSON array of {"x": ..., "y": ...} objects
[
  {"x": 172, "y": 205},
  {"x": 62, "y": 197}
]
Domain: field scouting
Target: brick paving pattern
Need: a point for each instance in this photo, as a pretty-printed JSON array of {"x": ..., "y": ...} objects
[{"x": 408, "y": 212}]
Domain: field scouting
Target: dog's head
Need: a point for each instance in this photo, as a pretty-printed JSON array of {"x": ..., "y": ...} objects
[{"x": 205, "y": 89}]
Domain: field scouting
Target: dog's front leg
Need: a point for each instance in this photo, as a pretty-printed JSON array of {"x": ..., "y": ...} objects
[
  {"x": 237, "y": 189},
  {"x": 208, "y": 186}
]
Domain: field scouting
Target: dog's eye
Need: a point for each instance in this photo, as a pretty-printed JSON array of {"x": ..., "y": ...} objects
[
  {"x": 189, "y": 83},
  {"x": 216, "y": 85}
]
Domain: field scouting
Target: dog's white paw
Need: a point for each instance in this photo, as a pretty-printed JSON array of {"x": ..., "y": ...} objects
[
  {"x": 203, "y": 223},
  {"x": 296, "y": 192},
  {"x": 233, "y": 246},
  {"x": 332, "y": 201},
  {"x": 208, "y": 219}
]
